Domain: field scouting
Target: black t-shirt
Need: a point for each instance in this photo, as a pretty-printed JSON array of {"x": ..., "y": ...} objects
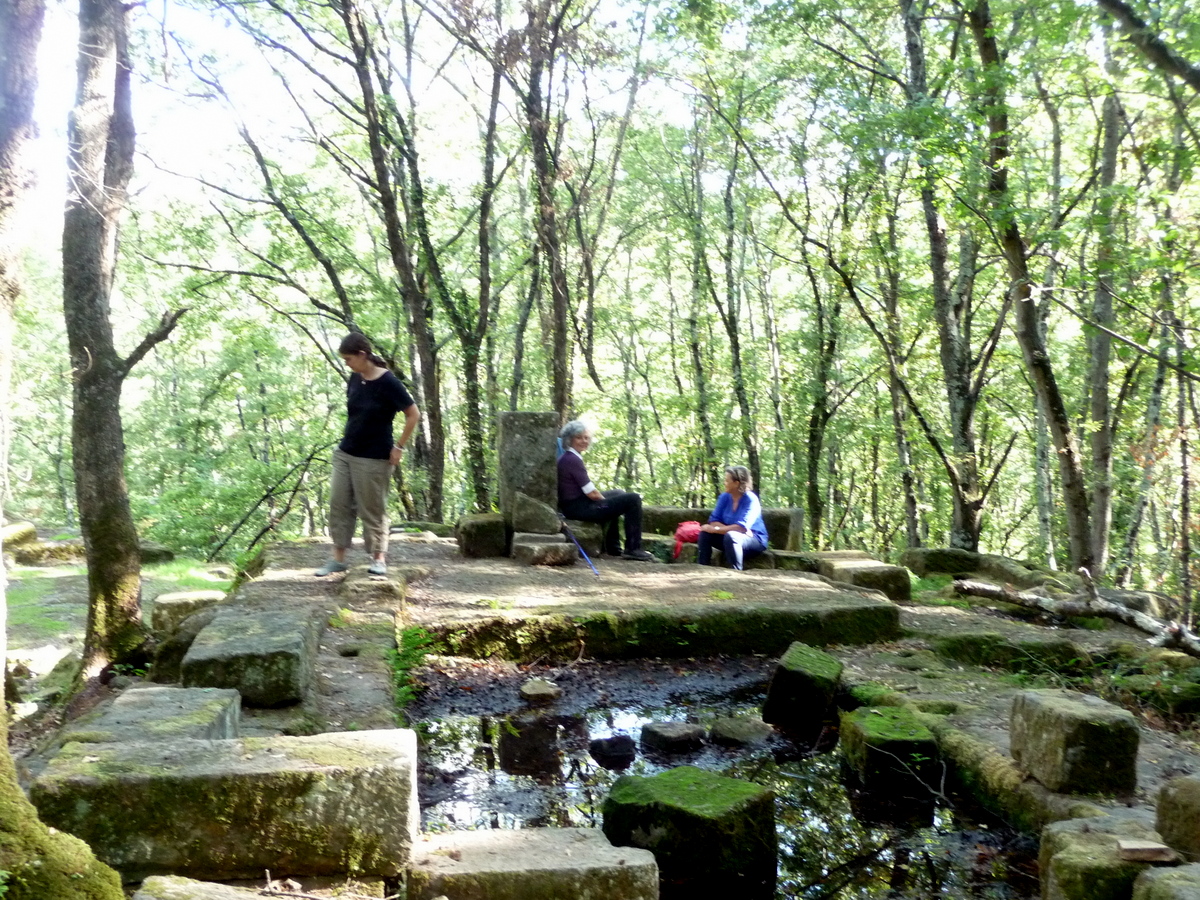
[{"x": 370, "y": 408}]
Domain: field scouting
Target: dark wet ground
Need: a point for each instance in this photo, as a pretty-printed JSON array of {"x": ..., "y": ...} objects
[{"x": 488, "y": 761}]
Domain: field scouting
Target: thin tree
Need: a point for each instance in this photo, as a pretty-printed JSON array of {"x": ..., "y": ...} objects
[
  {"x": 37, "y": 862},
  {"x": 100, "y": 163}
]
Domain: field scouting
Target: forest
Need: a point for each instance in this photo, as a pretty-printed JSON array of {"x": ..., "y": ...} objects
[{"x": 927, "y": 268}]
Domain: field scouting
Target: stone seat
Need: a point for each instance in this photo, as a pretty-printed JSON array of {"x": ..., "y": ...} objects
[
  {"x": 321, "y": 805},
  {"x": 168, "y": 611},
  {"x": 534, "y": 862}
]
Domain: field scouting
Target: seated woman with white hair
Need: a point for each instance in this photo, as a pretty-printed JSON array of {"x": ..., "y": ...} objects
[
  {"x": 579, "y": 498},
  {"x": 736, "y": 524}
]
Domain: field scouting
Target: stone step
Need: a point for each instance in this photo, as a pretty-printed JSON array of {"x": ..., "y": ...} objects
[
  {"x": 155, "y": 713},
  {"x": 1075, "y": 743},
  {"x": 343, "y": 802},
  {"x": 535, "y": 862},
  {"x": 803, "y": 687},
  {"x": 168, "y": 611},
  {"x": 266, "y": 655},
  {"x": 870, "y": 573}
]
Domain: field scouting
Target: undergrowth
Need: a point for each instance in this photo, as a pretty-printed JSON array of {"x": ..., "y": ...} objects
[{"x": 415, "y": 643}]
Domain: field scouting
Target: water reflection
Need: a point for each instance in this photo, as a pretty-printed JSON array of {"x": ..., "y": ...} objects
[{"x": 835, "y": 840}]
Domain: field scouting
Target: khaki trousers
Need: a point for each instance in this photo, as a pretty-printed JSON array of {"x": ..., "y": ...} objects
[{"x": 358, "y": 490}]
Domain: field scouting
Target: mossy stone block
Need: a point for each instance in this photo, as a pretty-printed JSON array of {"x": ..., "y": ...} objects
[
  {"x": 939, "y": 560},
  {"x": 541, "y": 553},
  {"x": 795, "y": 561},
  {"x": 589, "y": 534},
  {"x": 698, "y": 825},
  {"x": 870, "y": 573},
  {"x": 361, "y": 588},
  {"x": 1079, "y": 858},
  {"x": 168, "y": 611},
  {"x": 1074, "y": 743},
  {"x": 665, "y": 519},
  {"x": 151, "y": 552},
  {"x": 1176, "y": 883},
  {"x": 481, "y": 536},
  {"x": 889, "y": 748},
  {"x": 320, "y": 805},
  {"x": 739, "y": 731},
  {"x": 525, "y": 449},
  {"x": 803, "y": 687},
  {"x": 158, "y": 713},
  {"x": 266, "y": 655},
  {"x": 534, "y": 516},
  {"x": 172, "y": 887},
  {"x": 1179, "y": 815},
  {"x": 530, "y": 864},
  {"x": 15, "y": 533}
]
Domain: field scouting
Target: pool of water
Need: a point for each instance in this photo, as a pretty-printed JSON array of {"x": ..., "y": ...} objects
[{"x": 528, "y": 769}]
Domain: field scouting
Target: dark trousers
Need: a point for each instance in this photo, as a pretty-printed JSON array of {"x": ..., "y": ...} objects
[
  {"x": 737, "y": 546},
  {"x": 607, "y": 512}
]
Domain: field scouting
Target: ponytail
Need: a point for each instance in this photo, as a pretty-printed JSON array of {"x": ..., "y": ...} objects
[{"x": 356, "y": 342}]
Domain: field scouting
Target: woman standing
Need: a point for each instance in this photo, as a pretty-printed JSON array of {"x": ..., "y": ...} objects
[
  {"x": 364, "y": 460},
  {"x": 736, "y": 523}
]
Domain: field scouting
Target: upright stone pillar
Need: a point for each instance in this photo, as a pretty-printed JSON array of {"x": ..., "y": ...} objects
[{"x": 526, "y": 458}]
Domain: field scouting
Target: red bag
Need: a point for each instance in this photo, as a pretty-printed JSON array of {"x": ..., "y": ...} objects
[{"x": 686, "y": 533}]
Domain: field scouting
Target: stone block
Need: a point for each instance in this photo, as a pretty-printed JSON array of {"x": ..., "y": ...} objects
[
  {"x": 526, "y": 458},
  {"x": 616, "y": 752},
  {"x": 530, "y": 864},
  {"x": 534, "y": 516},
  {"x": 168, "y": 656},
  {"x": 16, "y": 533},
  {"x": 870, "y": 573},
  {"x": 151, "y": 552},
  {"x": 361, "y": 588},
  {"x": 528, "y": 744},
  {"x": 482, "y": 535},
  {"x": 802, "y": 688},
  {"x": 156, "y": 713},
  {"x": 672, "y": 737},
  {"x": 665, "y": 519},
  {"x": 533, "y": 537},
  {"x": 321, "y": 805},
  {"x": 794, "y": 561},
  {"x": 939, "y": 561},
  {"x": 47, "y": 553},
  {"x": 540, "y": 692},
  {"x": 1177, "y": 883},
  {"x": 700, "y": 826},
  {"x": 780, "y": 523},
  {"x": 538, "y": 553},
  {"x": 739, "y": 731},
  {"x": 660, "y": 546},
  {"x": 1074, "y": 743},
  {"x": 167, "y": 611},
  {"x": 688, "y": 553},
  {"x": 1179, "y": 815},
  {"x": 589, "y": 534},
  {"x": 1079, "y": 858},
  {"x": 890, "y": 749},
  {"x": 266, "y": 655},
  {"x": 172, "y": 887}
]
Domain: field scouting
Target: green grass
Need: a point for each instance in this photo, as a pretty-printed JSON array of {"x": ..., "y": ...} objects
[
  {"x": 415, "y": 644},
  {"x": 46, "y": 602}
]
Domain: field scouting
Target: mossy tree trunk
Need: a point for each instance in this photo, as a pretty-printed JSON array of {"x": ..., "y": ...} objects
[
  {"x": 35, "y": 863},
  {"x": 100, "y": 162}
]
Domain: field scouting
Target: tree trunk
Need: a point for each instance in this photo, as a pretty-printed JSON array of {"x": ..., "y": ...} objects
[
  {"x": 38, "y": 863},
  {"x": 1100, "y": 343},
  {"x": 1029, "y": 335},
  {"x": 100, "y": 163},
  {"x": 952, "y": 312},
  {"x": 543, "y": 37}
]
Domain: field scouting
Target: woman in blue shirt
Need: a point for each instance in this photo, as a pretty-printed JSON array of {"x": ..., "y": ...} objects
[{"x": 736, "y": 524}]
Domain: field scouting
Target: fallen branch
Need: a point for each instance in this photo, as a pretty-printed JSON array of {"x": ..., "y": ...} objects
[{"x": 1163, "y": 634}]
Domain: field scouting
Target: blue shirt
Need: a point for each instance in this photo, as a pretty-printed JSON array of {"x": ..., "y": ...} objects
[{"x": 748, "y": 514}]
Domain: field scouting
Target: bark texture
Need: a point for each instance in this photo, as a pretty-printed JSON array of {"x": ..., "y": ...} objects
[
  {"x": 100, "y": 132},
  {"x": 37, "y": 862}
]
